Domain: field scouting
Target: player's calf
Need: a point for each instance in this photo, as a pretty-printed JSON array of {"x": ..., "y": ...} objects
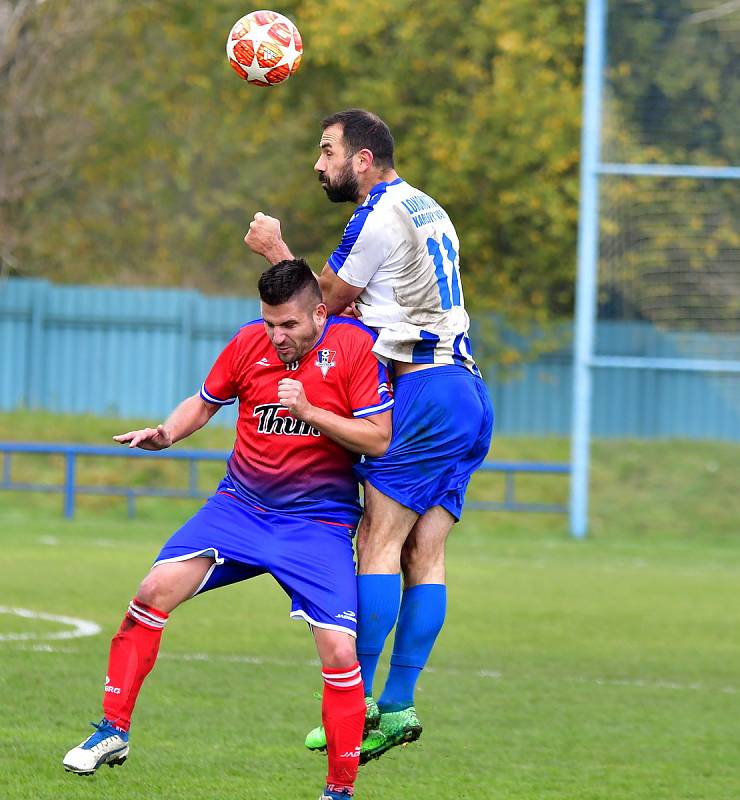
[
  {"x": 343, "y": 714},
  {"x": 107, "y": 745}
]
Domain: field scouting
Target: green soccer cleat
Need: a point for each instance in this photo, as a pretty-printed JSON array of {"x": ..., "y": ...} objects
[
  {"x": 316, "y": 739},
  {"x": 396, "y": 728},
  {"x": 372, "y": 716}
]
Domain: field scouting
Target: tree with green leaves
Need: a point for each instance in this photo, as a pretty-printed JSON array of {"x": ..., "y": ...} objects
[{"x": 483, "y": 98}]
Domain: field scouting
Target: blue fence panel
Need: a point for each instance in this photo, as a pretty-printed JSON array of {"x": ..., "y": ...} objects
[
  {"x": 110, "y": 351},
  {"x": 16, "y": 302},
  {"x": 215, "y": 322},
  {"x": 534, "y": 398},
  {"x": 138, "y": 352},
  {"x": 121, "y": 352}
]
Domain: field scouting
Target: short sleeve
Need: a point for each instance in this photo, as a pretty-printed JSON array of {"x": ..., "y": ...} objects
[
  {"x": 370, "y": 387},
  {"x": 364, "y": 248},
  {"x": 221, "y": 387}
]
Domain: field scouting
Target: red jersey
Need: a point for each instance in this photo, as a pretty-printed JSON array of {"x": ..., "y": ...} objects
[{"x": 280, "y": 462}]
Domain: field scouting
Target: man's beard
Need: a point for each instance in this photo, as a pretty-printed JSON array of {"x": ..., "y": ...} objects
[
  {"x": 344, "y": 189},
  {"x": 301, "y": 347}
]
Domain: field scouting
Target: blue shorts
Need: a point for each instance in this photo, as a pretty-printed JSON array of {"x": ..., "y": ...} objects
[
  {"x": 313, "y": 561},
  {"x": 442, "y": 426}
]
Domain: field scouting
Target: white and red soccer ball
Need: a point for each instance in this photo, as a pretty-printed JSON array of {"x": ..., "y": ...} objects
[{"x": 264, "y": 48}]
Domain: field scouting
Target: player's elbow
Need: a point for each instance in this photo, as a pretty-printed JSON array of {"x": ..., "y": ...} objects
[
  {"x": 376, "y": 452},
  {"x": 379, "y": 444}
]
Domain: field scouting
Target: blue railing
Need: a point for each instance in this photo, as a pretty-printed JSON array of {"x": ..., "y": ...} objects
[
  {"x": 70, "y": 488},
  {"x": 511, "y": 469}
]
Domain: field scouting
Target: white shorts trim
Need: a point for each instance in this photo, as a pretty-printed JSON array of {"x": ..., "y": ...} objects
[
  {"x": 208, "y": 552},
  {"x": 327, "y": 625}
]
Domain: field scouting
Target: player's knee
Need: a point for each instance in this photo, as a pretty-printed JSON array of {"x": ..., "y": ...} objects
[
  {"x": 421, "y": 564},
  {"x": 362, "y": 532},
  {"x": 411, "y": 554},
  {"x": 378, "y": 550},
  {"x": 371, "y": 531},
  {"x": 153, "y": 589},
  {"x": 338, "y": 653}
]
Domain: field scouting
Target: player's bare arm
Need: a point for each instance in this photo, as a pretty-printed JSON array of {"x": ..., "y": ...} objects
[
  {"x": 265, "y": 238},
  {"x": 367, "y": 435},
  {"x": 338, "y": 294},
  {"x": 189, "y": 416}
]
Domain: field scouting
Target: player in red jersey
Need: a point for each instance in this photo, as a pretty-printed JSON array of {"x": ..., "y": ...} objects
[{"x": 312, "y": 397}]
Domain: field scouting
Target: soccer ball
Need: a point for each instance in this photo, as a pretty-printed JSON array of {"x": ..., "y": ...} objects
[{"x": 264, "y": 48}]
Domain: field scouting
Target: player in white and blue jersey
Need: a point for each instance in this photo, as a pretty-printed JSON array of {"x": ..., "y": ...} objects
[{"x": 399, "y": 264}]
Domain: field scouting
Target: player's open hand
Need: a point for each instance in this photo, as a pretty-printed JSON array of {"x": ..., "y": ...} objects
[
  {"x": 292, "y": 396},
  {"x": 264, "y": 234},
  {"x": 157, "y": 438}
]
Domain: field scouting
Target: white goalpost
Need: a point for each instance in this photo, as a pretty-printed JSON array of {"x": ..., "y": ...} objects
[{"x": 659, "y": 225}]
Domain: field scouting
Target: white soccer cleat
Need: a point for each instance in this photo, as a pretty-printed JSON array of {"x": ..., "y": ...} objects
[{"x": 108, "y": 745}]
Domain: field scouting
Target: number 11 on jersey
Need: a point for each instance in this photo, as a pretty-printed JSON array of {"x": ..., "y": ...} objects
[{"x": 447, "y": 282}]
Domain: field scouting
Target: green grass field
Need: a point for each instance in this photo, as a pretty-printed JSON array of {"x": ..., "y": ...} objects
[{"x": 606, "y": 669}]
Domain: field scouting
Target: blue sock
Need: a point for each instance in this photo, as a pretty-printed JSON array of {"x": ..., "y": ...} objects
[
  {"x": 378, "y": 599},
  {"x": 419, "y": 622}
]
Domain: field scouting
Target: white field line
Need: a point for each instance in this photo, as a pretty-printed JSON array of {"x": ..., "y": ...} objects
[
  {"x": 80, "y": 627},
  {"x": 682, "y": 687},
  {"x": 226, "y": 658},
  {"x": 313, "y": 662}
]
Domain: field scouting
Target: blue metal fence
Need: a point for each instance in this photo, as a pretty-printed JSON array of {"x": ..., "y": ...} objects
[
  {"x": 137, "y": 352},
  {"x": 69, "y": 488}
]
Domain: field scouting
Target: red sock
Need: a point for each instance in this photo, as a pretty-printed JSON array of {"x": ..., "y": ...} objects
[
  {"x": 133, "y": 652},
  {"x": 343, "y": 715}
]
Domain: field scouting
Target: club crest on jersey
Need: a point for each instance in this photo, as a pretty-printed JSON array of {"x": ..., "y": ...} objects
[{"x": 325, "y": 360}]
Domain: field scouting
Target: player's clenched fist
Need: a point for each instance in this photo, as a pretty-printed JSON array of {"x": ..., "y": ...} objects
[
  {"x": 157, "y": 438},
  {"x": 264, "y": 234},
  {"x": 292, "y": 396}
]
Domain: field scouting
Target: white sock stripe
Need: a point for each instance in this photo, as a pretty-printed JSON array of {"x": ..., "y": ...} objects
[
  {"x": 344, "y": 684},
  {"x": 147, "y": 613},
  {"x": 340, "y": 675},
  {"x": 156, "y": 620},
  {"x": 145, "y": 620}
]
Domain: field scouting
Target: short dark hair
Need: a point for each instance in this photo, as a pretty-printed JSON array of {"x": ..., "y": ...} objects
[
  {"x": 284, "y": 280},
  {"x": 363, "y": 129}
]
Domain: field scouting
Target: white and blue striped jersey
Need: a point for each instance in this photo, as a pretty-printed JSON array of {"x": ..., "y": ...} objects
[{"x": 401, "y": 248}]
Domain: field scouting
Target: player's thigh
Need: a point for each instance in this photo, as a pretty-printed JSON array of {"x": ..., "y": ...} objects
[
  {"x": 382, "y": 531},
  {"x": 170, "y": 583},
  {"x": 313, "y": 561},
  {"x": 230, "y": 534},
  {"x": 423, "y": 555},
  {"x": 335, "y": 648},
  {"x": 439, "y": 418}
]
